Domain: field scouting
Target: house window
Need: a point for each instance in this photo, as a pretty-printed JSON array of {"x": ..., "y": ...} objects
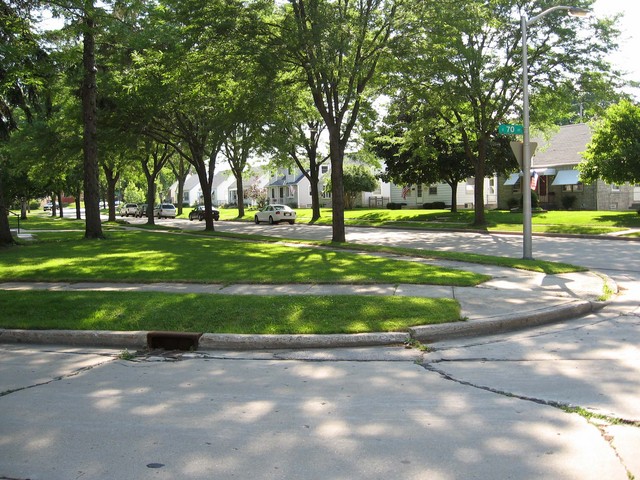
[
  {"x": 324, "y": 169},
  {"x": 273, "y": 193},
  {"x": 470, "y": 186},
  {"x": 615, "y": 188},
  {"x": 573, "y": 188},
  {"x": 281, "y": 192},
  {"x": 492, "y": 186},
  {"x": 419, "y": 191},
  {"x": 433, "y": 189}
]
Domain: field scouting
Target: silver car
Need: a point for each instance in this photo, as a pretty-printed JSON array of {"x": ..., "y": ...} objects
[{"x": 165, "y": 210}]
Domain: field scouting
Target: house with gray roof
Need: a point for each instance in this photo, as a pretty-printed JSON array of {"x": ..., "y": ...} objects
[{"x": 555, "y": 165}]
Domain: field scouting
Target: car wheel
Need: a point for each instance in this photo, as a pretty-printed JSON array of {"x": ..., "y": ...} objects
[
  {"x": 291, "y": 222},
  {"x": 255, "y": 219},
  {"x": 270, "y": 220}
]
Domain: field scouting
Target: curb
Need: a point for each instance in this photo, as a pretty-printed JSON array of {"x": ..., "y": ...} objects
[
  {"x": 506, "y": 323},
  {"x": 214, "y": 341}
]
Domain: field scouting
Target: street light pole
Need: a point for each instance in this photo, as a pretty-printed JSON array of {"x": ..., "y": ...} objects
[{"x": 527, "y": 249}]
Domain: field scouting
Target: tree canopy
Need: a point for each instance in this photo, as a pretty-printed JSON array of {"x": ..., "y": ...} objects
[{"x": 614, "y": 151}]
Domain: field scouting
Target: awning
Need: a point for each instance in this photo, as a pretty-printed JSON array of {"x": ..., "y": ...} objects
[
  {"x": 545, "y": 171},
  {"x": 513, "y": 179},
  {"x": 567, "y": 177}
]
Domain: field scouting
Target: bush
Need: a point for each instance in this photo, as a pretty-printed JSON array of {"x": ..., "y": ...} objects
[
  {"x": 395, "y": 206},
  {"x": 434, "y": 206},
  {"x": 513, "y": 203},
  {"x": 535, "y": 200},
  {"x": 568, "y": 202}
]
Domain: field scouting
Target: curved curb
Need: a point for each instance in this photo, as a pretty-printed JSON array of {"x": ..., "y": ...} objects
[
  {"x": 217, "y": 341},
  {"x": 506, "y": 323}
]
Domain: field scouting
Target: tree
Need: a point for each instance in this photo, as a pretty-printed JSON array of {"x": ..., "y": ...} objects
[
  {"x": 614, "y": 151},
  {"x": 24, "y": 70},
  {"x": 357, "y": 179},
  {"x": 464, "y": 59},
  {"x": 337, "y": 45},
  {"x": 295, "y": 138}
]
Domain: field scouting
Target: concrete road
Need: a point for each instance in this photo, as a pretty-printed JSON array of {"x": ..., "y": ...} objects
[
  {"x": 361, "y": 414},
  {"x": 555, "y": 402}
]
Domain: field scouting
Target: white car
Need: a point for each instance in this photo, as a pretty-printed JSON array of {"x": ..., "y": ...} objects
[
  {"x": 128, "y": 209},
  {"x": 165, "y": 210},
  {"x": 276, "y": 214}
]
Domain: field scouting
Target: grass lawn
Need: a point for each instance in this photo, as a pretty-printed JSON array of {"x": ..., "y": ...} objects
[
  {"x": 143, "y": 256},
  {"x": 127, "y": 311},
  {"x": 571, "y": 222}
]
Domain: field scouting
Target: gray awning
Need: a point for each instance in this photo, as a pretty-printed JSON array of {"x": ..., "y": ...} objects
[
  {"x": 513, "y": 179},
  {"x": 567, "y": 177}
]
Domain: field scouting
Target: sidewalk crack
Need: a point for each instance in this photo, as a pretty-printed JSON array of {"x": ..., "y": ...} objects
[{"x": 54, "y": 379}]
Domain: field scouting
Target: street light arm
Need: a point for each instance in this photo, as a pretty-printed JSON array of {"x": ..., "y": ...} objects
[{"x": 573, "y": 11}]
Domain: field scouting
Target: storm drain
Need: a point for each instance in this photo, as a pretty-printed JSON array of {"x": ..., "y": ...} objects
[{"x": 173, "y": 341}]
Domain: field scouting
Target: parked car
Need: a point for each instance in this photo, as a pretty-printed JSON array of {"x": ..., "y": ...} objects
[
  {"x": 141, "y": 211},
  {"x": 47, "y": 206},
  {"x": 128, "y": 209},
  {"x": 165, "y": 210},
  {"x": 276, "y": 214},
  {"x": 198, "y": 213}
]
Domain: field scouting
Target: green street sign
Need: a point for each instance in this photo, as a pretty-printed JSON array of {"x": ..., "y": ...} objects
[{"x": 506, "y": 129}]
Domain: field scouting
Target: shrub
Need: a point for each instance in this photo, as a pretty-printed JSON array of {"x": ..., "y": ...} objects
[
  {"x": 535, "y": 200},
  {"x": 568, "y": 201},
  {"x": 395, "y": 206},
  {"x": 434, "y": 206},
  {"x": 512, "y": 203}
]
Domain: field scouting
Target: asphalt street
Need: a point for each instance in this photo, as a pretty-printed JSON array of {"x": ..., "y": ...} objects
[{"x": 553, "y": 402}]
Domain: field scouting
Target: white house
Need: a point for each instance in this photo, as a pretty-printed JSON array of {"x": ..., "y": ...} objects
[
  {"x": 417, "y": 195},
  {"x": 192, "y": 193},
  {"x": 258, "y": 177}
]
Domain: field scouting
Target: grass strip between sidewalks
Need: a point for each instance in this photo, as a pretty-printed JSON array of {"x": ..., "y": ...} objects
[
  {"x": 131, "y": 311},
  {"x": 144, "y": 256}
]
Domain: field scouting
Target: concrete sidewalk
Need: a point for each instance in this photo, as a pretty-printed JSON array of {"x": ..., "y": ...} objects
[{"x": 512, "y": 299}]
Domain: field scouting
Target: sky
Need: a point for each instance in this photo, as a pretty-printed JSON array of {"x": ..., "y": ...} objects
[{"x": 628, "y": 56}]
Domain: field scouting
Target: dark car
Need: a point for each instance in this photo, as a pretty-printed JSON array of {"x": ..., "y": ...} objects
[{"x": 198, "y": 213}]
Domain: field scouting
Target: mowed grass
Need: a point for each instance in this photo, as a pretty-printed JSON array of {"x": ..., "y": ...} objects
[
  {"x": 143, "y": 256},
  {"x": 129, "y": 311},
  {"x": 568, "y": 222}
]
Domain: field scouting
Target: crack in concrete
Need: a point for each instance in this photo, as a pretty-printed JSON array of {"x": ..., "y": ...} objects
[
  {"x": 596, "y": 420},
  {"x": 54, "y": 379}
]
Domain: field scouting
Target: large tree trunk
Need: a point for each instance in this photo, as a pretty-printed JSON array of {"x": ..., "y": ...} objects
[
  {"x": 60, "y": 204},
  {"x": 337, "y": 185},
  {"x": 454, "y": 196},
  {"x": 151, "y": 200},
  {"x": 93, "y": 225},
  {"x": 240, "y": 185},
  {"x": 5, "y": 231},
  {"x": 315, "y": 195}
]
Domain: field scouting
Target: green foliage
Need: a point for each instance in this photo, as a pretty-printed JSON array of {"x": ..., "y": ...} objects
[
  {"x": 134, "y": 194},
  {"x": 614, "y": 152},
  {"x": 568, "y": 201},
  {"x": 140, "y": 256},
  {"x": 260, "y": 314}
]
